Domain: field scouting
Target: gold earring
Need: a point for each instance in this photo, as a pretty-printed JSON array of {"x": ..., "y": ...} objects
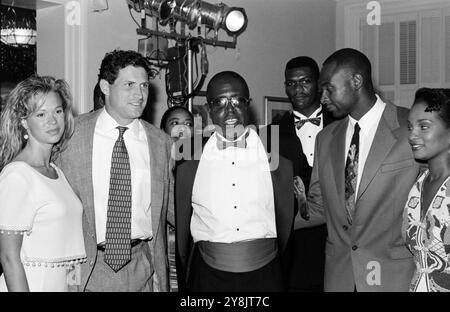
[{"x": 25, "y": 136}]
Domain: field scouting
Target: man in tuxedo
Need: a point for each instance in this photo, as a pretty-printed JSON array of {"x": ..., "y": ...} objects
[
  {"x": 298, "y": 131},
  {"x": 119, "y": 166},
  {"x": 363, "y": 170},
  {"x": 237, "y": 210}
]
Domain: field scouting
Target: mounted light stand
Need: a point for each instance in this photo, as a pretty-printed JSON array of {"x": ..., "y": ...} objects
[
  {"x": 191, "y": 13},
  {"x": 179, "y": 37}
]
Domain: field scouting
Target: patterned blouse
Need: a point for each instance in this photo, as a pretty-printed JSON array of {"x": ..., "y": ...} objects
[{"x": 429, "y": 238}]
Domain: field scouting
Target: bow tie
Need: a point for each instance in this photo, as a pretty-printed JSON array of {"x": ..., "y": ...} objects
[
  {"x": 300, "y": 122},
  {"x": 241, "y": 143}
]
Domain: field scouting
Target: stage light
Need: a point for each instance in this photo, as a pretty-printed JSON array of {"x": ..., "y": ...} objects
[
  {"x": 157, "y": 8},
  {"x": 214, "y": 16},
  {"x": 194, "y": 13},
  {"x": 235, "y": 20}
]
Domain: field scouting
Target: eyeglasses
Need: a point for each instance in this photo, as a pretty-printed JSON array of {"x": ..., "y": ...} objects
[
  {"x": 221, "y": 102},
  {"x": 295, "y": 83}
]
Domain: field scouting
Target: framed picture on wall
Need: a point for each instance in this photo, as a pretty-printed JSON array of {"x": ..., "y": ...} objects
[{"x": 275, "y": 107}]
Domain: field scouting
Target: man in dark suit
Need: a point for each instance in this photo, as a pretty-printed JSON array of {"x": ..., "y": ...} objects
[
  {"x": 363, "y": 171},
  {"x": 298, "y": 131},
  {"x": 238, "y": 210}
]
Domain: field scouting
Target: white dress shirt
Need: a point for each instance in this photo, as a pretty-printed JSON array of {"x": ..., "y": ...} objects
[
  {"x": 368, "y": 124},
  {"x": 135, "y": 138},
  {"x": 232, "y": 196},
  {"x": 308, "y": 132}
]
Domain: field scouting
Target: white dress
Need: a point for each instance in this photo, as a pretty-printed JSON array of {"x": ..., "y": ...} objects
[{"x": 49, "y": 216}]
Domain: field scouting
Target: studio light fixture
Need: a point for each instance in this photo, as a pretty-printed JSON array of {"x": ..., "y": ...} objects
[
  {"x": 208, "y": 19},
  {"x": 17, "y": 30},
  {"x": 214, "y": 16},
  {"x": 192, "y": 13}
]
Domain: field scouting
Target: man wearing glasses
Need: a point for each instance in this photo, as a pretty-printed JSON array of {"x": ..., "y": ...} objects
[{"x": 238, "y": 211}]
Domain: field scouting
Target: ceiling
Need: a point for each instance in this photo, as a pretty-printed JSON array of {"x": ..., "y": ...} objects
[{"x": 28, "y": 4}]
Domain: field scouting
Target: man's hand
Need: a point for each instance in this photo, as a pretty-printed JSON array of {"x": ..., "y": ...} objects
[{"x": 300, "y": 194}]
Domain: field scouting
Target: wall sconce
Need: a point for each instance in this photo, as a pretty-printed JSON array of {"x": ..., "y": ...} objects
[{"x": 18, "y": 30}]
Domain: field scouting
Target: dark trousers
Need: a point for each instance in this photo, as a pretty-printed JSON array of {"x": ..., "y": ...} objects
[
  {"x": 203, "y": 278},
  {"x": 307, "y": 259}
]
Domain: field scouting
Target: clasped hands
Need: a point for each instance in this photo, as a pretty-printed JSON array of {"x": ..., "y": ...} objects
[{"x": 300, "y": 195}]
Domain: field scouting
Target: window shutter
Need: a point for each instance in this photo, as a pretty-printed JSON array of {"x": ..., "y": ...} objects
[
  {"x": 386, "y": 50},
  {"x": 368, "y": 44},
  {"x": 408, "y": 39},
  {"x": 430, "y": 49}
]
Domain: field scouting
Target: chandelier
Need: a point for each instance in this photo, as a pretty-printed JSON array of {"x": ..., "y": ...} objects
[{"x": 18, "y": 29}]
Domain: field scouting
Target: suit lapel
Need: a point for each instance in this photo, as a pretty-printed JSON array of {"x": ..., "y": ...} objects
[
  {"x": 283, "y": 200},
  {"x": 156, "y": 177},
  {"x": 327, "y": 118},
  {"x": 184, "y": 184},
  {"x": 290, "y": 144},
  {"x": 287, "y": 124},
  {"x": 283, "y": 188},
  {"x": 338, "y": 156},
  {"x": 382, "y": 143},
  {"x": 86, "y": 188}
]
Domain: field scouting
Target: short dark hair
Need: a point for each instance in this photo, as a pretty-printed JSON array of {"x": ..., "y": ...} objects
[
  {"x": 303, "y": 61},
  {"x": 225, "y": 76},
  {"x": 354, "y": 60},
  {"x": 114, "y": 61},
  {"x": 99, "y": 97},
  {"x": 436, "y": 100},
  {"x": 169, "y": 111}
]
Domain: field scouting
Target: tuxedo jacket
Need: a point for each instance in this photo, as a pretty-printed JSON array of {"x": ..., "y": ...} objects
[
  {"x": 291, "y": 146},
  {"x": 371, "y": 253},
  {"x": 76, "y": 163},
  {"x": 283, "y": 191}
]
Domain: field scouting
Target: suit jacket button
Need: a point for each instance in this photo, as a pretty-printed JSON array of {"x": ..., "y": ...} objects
[
  {"x": 354, "y": 247},
  {"x": 345, "y": 227}
]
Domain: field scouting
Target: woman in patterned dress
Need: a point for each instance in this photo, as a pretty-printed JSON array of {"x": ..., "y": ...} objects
[{"x": 426, "y": 223}]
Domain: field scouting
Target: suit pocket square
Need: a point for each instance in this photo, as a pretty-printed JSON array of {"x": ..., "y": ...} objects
[{"x": 397, "y": 165}]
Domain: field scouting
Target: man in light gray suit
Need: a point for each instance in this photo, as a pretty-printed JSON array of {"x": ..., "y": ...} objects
[
  {"x": 119, "y": 166},
  {"x": 363, "y": 170}
]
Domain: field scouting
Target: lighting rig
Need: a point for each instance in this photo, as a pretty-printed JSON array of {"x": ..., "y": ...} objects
[{"x": 176, "y": 16}]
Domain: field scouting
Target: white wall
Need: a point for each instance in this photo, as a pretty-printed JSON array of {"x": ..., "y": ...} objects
[
  {"x": 276, "y": 31},
  {"x": 50, "y": 42}
]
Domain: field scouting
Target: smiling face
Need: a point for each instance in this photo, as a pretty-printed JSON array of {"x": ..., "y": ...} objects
[
  {"x": 126, "y": 98},
  {"x": 338, "y": 95},
  {"x": 428, "y": 135},
  {"x": 179, "y": 124},
  {"x": 232, "y": 117},
  {"x": 301, "y": 89},
  {"x": 46, "y": 124}
]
